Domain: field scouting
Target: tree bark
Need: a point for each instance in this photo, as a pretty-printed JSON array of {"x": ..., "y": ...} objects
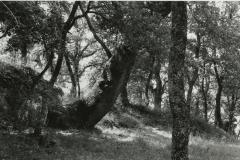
[
  {"x": 159, "y": 90},
  {"x": 78, "y": 81},
  {"x": 38, "y": 77},
  {"x": 197, "y": 110},
  {"x": 149, "y": 79},
  {"x": 120, "y": 67},
  {"x": 62, "y": 48},
  {"x": 124, "y": 93},
  {"x": 205, "y": 103},
  {"x": 61, "y": 53},
  {"x": 42, "y": 117},
  {"x": 204, "y": 91},
  {"x": 148, "y": 86},
  {"x": 218, "y": 119},
  {"x": 232, "y": 108},
  {"x": 124, "y": 97},
  {"x": 72, "y": 76},
  {"x": 180, "y": 111}
]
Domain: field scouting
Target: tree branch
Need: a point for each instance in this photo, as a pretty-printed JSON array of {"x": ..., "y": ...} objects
[
  {"x": 90, "y": 54},
  {"x": 108, "y": 52}
]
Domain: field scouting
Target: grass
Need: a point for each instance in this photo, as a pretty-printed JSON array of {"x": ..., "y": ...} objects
[{"x": 111, "y": 143}]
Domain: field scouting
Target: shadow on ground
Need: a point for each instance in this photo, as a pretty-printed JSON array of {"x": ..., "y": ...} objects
[{"x": 111, "y": 144}]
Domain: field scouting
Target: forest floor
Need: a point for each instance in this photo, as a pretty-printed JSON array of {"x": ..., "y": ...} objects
[{"x": 111, "y": 143}]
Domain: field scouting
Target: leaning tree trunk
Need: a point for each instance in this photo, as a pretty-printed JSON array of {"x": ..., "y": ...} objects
[
  {"x": 180, "y": 111},
  {"x": 72, "y": 76},
  {"x": 120, "y": 67},
  {"x": 62, "y": 48}
]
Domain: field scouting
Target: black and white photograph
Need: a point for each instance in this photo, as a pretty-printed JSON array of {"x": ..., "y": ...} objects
[{"x": 119, "y": 80}]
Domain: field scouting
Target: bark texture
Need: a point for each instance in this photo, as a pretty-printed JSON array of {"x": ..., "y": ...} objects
[
  {"x": 204, "y": 92},
  {"x": 217, "y": 113},
  {"x": 120, "y": 67},
  {"x": 180, "y": 111},
  {"x": 230, "y": 126},
  {"x": 124, "y": 97},
  {"x": 159, "y": 90}
]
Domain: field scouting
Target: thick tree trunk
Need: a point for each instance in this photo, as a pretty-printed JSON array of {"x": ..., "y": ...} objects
[
  {"x": 180, "y": 111},
  {"x": 120, "y": 67}
]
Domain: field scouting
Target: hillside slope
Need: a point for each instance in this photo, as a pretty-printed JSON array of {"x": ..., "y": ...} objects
[{"x": 129, "y": 142}]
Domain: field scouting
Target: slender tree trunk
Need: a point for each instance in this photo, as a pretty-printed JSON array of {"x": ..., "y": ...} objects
[
  {"x": 62, "y": 48},
  {"x": 194, "y": 77},
  {"x": 231, "y": 114},
  {"x": 159, "y": 90},
  {"x": 38, "y": 77},
  {"x": 197, "y": 110},
  {"x": 218, "y": 119},
  {"x": 204, "y": 92},
  {"x": 59, "y": 60},
  {"x": 72, "y": 76},
  {"x": 124, "y": 93},
  {"x": 76, "y": 77},
  {"x": 205, "y": 104},
  {"x": 78, "y": 87},
  {"x": 149, "y": 79},
  {"x": 180, "y": 111},
  {"x": 42, "y": 118},
  {"x": 147, "y": 87},
  {"x": 24, "y": 52}
]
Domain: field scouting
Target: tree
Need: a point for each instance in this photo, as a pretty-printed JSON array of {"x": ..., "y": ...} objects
[
  {"x": 62, "y": 46},
  {"x": 180, "y": 111}
]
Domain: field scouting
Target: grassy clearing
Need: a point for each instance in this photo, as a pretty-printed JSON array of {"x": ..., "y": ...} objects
[
  {"x": 143, "y": 142},
  {"x": 120, "y": 144}
]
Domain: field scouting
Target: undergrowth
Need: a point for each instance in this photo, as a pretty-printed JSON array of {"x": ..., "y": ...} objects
[{"x": 129, "y": 137}]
